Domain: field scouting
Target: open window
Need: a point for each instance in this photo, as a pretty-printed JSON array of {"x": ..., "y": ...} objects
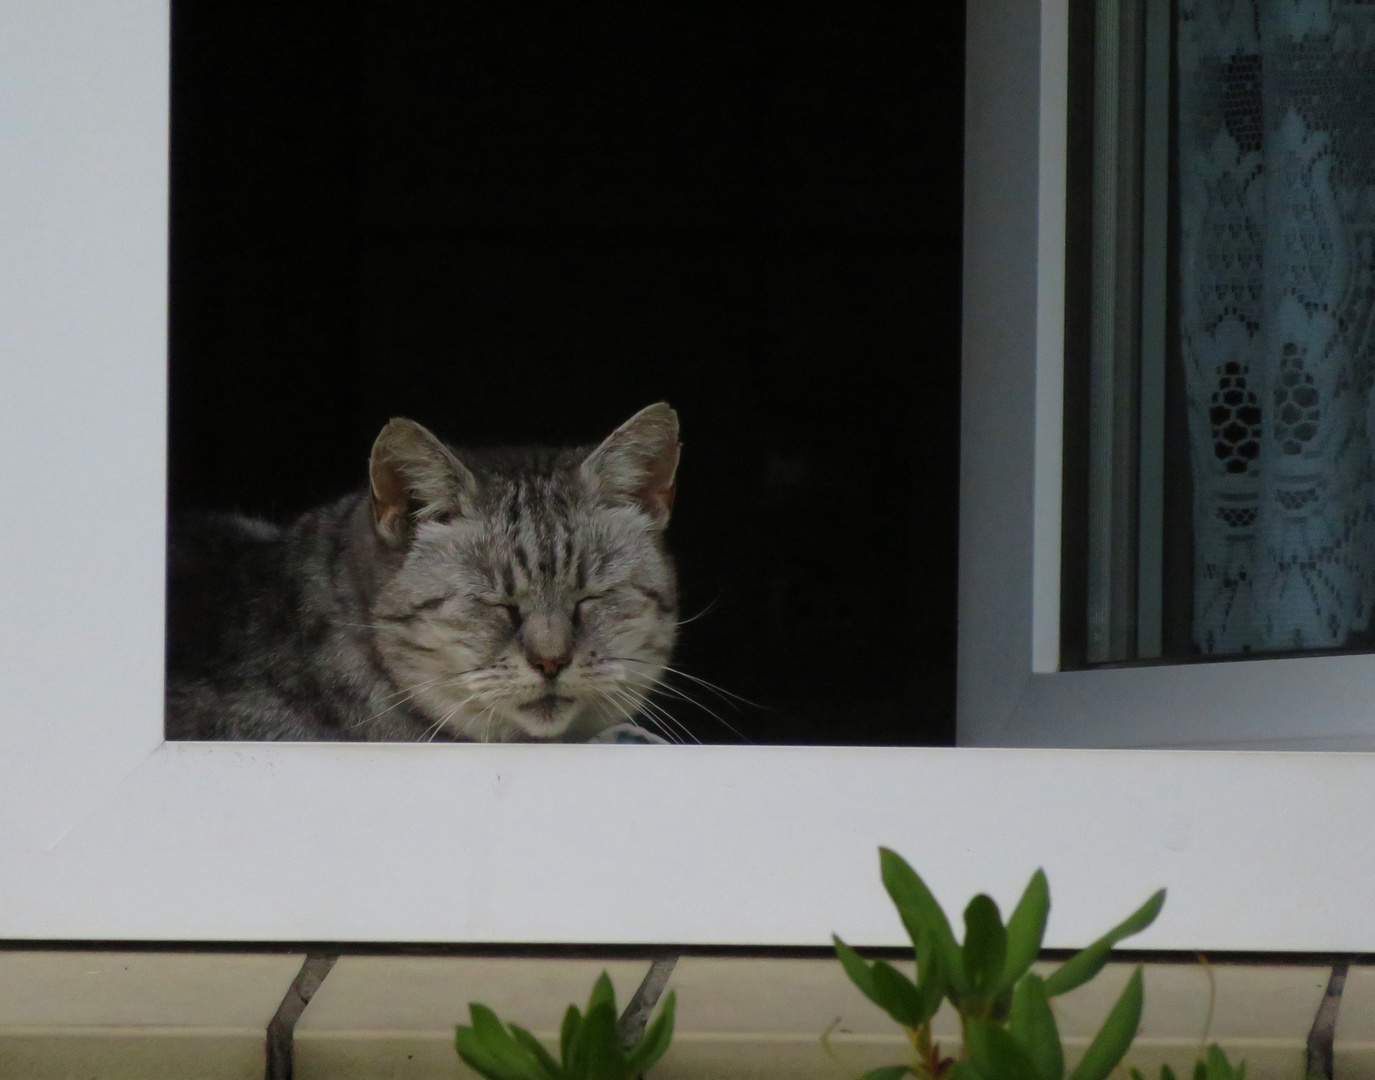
[
  {"x": 1199, "y": 519},
  {"x": 110, "y": 832},
  {"x": 522, "y": 229}
]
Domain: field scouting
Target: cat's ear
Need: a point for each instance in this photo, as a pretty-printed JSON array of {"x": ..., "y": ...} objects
[
  {"x": 637, "y": 462},
  {"x": 414, "y": 477}
]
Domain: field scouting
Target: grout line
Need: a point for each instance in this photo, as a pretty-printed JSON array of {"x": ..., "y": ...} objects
[
  {"x": 611, "y": 951},
  {"x": 1323, "y": 1033},
  {"x": 125, "y": 1031},
  {"x": 281, "y": 1029}
]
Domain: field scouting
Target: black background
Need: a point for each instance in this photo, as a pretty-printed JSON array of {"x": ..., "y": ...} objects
[{"x": 523, "y": 224}]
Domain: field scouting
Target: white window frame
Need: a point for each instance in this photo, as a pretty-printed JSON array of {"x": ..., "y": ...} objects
[{"x": 107, "y": 832}]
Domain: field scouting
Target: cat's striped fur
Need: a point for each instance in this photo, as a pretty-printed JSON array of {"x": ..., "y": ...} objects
[{"x": 494, "y": 595}]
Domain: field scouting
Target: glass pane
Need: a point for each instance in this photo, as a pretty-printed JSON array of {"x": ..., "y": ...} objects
[{"x": 1220, "y": 355}]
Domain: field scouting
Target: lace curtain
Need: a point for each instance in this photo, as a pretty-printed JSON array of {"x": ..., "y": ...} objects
[{"x": 1276, "y": 160}]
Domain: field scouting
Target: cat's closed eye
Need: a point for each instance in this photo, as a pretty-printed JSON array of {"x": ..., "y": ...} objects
[{"x": 580, "y": 607}]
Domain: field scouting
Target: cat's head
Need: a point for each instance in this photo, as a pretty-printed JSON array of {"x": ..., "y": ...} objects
[{"x": 533, "y": 593}]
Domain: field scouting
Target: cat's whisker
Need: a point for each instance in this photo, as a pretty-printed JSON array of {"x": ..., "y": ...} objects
[
  {"x": 395, "y": 701},
  {"x": 629, "y": 708},
  {"x": 490, "y": 714},
  {"x": 656, "y": 724},
  {"x": 719, "y": 691},
  {"x": 665, "y": 688},
  {"x": 629, "y": 713},
  {"x": 654, "y": 707},
  {"x": 620, "y": 710},
  {"x": 630, "y": 691},
  {"x": 404, "y": 696},
  {"x": 668, "y": 734},
  {"x": 454, "y": 712},
  {"x": 409, "y": 694},
  {"x": 705, "y": 611},
  {"x": 651, "y": 709},
  {"x": 651, "y": 685},
  {"x": 434, "y": 728}
]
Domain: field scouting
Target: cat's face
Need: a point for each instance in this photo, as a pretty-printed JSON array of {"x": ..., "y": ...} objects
[{"x": 535, "y": 595}]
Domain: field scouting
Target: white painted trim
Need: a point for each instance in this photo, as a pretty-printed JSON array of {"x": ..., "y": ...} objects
[
  {"x": 83, "y": 312},
  {"x": 702, "y": 845},
  {"x": 107, "y": 832}
]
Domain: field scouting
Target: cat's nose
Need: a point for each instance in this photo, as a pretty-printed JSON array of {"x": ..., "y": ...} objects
[
  {"x": 547, "y": 641},
  {"x": 550, "y": 665}
]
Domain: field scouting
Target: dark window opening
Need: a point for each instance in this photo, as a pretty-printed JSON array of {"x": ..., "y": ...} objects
[{"x": 522, "y": 226}]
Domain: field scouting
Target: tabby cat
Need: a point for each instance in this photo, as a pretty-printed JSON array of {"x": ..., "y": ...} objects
[{"x": 499, "y": 595}]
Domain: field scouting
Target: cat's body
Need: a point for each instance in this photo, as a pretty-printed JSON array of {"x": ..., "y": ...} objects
[{"x": 489, "y": 596}]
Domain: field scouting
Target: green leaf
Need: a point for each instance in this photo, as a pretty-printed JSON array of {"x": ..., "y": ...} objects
[
  {"x": 901, "y": 999},
  {"x": 594, "y": 1051},
  {"x": 490, "y": 1030},
  {"x": 568, "y": 1032},
  {"x": 1219, "y": 1068},
  {"x": 1200, "y": 1070},
  {"x": 1025, "y": 930},
  {"x": 1166, "y": 1073},
  {"x": 597, "y": 1053},
  {"x": 886, "y": 987},
  {"x": 1000, "y": 1008},
  {"x": 996, "y": 1054},
  {"x": 1032, "y": 1024},
  {"x": 985, "y": 947},
  {"x": 497, "y": 1058},
  {"x": 487, "y": 1027},
  {"x": 889, "y": 1072},
  {"x": 930, "y": 976},
  {"x": 963, "y": 1070},
  {"x": 922, "y": 914},
  {"x": 861, "y": 974},
  {"x": 1115, "y": 1036},
  {"x": 1135, "y": 1073},
  {"x": 536, "y": 1050},
  {"x": 493, "y": 1044},
  {"x": 477, "y": 1057},
  {"x": 1083, "y": 966},
  {"x": 603, "y": 993},
  {"x": 654, "y": 1043}
]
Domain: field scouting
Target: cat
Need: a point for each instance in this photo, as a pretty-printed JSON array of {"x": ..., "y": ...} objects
[{"x": 498, "y": 595}]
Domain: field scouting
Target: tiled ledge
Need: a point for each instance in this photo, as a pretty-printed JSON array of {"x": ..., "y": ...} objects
[
  {"x": 113, "y": 1015},
  {"x": 84, "y": 1015}
]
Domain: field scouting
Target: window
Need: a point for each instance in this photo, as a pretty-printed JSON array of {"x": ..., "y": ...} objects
[
  {"x": 1126, "y": 571},
  {"x": 523, "y": 228},
  {"x": 1218, "y": 462},
  {"x": 110, "y": 832}
]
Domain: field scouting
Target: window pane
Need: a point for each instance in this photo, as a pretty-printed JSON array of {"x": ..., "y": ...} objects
[{"x": 1223, "y": 360}]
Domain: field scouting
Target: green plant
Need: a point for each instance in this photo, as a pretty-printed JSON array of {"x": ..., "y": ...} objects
[
  {"x": 1213, "y": 1066},
  {"x": 589, "y": 1044},
  {"x": 1009, "y": 1030}
]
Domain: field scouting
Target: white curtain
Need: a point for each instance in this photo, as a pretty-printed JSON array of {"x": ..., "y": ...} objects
[{"x": 1276, "y": 169}]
